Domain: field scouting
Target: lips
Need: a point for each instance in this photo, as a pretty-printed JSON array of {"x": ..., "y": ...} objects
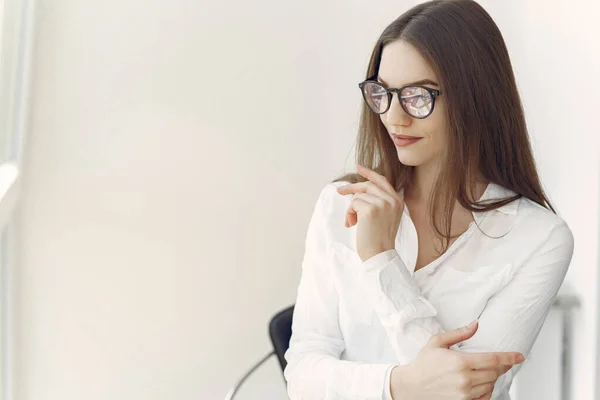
[
  {"x": 406, "y": 137},
  {"x": 404, "y": 140}
]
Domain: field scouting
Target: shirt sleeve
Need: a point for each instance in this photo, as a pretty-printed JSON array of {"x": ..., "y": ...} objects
[
  {"x": 387, "y": 389},
  {"x": 314, "y": 369},
  {"x": 511, "y": 320}
]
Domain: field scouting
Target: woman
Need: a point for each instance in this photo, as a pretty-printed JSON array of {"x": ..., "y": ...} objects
[{"x": 446, "y": 223}]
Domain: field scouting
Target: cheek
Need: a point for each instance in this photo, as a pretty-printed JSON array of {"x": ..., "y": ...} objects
[
  {"x": 437, "y": 126},
  {"x": 438, "y": 138},
  {"x": 382, "y": 119},
  {"x": 438, "y": 117}
]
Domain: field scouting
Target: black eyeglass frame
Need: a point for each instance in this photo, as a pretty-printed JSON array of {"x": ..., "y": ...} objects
[{"x": 432, "y": 92}]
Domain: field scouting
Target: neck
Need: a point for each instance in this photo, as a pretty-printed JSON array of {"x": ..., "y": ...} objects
[
  {"x": 424, "y": 179},
  {"x": 422, "y": 183}
]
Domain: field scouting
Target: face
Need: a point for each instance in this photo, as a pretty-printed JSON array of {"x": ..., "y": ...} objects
[{"x": 401, "y": 64}]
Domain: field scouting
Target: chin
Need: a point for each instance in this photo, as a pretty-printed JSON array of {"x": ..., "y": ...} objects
[{"x": 410, "y": 159}]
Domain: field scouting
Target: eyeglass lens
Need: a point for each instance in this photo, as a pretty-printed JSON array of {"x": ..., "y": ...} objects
[{"x": 416, "y": 101}]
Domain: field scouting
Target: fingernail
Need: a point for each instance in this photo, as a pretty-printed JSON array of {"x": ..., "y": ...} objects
[
  {"x": 520, "y": 358},
  {"x": 472, "y": 324}
]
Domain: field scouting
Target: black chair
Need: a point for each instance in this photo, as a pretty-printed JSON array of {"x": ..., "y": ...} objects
[{"x": 280, "y": 332}]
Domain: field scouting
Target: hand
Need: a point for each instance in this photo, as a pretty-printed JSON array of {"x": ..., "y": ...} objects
[
  {"x": 442, "y": 374},
  {"x": 377, "y": 208}
]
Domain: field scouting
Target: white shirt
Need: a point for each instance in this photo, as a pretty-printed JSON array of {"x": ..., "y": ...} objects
[{"x": 353, "y": 320}]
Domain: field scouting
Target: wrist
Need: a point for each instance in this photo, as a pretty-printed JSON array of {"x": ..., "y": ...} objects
[
  {"x": 399, "y": 382},
  {"x": 375, "y": 252}
]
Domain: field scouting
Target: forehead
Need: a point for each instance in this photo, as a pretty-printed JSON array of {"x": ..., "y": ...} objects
[{"x": 401, "y": 63}]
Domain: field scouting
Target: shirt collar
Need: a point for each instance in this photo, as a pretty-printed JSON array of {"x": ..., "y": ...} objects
[{"x": 494, "y": 191}]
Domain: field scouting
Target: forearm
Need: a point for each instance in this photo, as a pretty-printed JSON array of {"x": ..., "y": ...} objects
[
  {"x": 407, "y": 316},
  {"x": 323, "y": 377},
  {"x": 512, "y": 317}
]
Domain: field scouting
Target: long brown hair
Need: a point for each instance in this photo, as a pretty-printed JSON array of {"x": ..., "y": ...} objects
[{"x": 486, "y": 124}]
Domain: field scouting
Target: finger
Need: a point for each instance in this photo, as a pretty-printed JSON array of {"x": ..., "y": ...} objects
[
  {"x": 369, "y": 198},
  {"x": 483, "y": 391},
  {"x": 359, "y": 206},
  {"x": 353, "y": 220},
  {"x": 450, "y": 338},
  {"x": 486, "y": 396},
  {"x": 492, "y": 360},
  {"x": 362, "y": 203},
  {"x": 481, "y": 376},
  {"x": 371, "y": 188},
  {"x": 376, "y": 178},
  {"x": 351, "y": 217},
  {"x": 503, "y": 369}
]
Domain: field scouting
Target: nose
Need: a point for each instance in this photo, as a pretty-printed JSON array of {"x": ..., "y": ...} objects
[{"x": 396, "y": 115}]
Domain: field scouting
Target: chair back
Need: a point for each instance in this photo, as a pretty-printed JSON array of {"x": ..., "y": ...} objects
[{"x": 280, "y": 331}]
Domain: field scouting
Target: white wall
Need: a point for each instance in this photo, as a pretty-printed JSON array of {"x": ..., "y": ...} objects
[
  {"x": 175, "y": 155},
  {"x": 555, "y": 49}
]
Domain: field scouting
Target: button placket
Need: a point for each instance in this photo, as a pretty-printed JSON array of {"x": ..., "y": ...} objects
[{"x": 430, "y": 268}]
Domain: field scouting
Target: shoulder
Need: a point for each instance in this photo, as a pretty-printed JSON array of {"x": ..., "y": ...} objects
[
  {"x": 330, "y": 212},
  {"x": 527, "y": 228},
  {"x": 329, "y": 200},
  {"x": 543, "y": 229},
  {"x": 528, "y": 217},
  {"x": 533, "y": 214}
]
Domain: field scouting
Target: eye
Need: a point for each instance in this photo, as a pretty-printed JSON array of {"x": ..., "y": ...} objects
[
  {"x": 417, "y": 100},
  {"x": 416, "y": 97},
  {"x": 376, "y": 96}
]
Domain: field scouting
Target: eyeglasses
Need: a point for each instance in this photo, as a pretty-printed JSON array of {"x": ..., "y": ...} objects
[{"x": 418, "y": 101}]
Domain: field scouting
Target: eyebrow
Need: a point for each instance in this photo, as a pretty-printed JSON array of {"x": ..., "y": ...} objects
[{"x": 421, "y": 82}]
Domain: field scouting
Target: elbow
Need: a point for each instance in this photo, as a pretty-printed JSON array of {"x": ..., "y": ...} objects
[
  {"x": 295, "y": 378},
  {"x": 306, "y": 374}
]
